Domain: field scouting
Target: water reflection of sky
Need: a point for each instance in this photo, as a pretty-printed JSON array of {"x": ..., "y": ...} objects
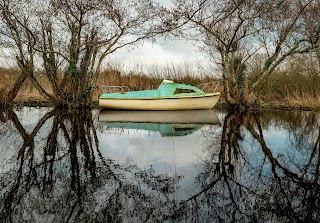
[
  {"x": 292, "y": 154},
  {"x": 197, "y": 158},
  {"x": 29, "y": 117},
  {"x": 169, "y": 155}
]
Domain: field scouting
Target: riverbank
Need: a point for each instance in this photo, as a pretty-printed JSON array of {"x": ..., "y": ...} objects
[
  {"x": 219, "y": 105},
  {"x": 281, "y": 91}
]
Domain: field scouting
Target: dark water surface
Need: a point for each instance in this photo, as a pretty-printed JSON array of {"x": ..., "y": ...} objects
[{"x": 72, "y": 166}]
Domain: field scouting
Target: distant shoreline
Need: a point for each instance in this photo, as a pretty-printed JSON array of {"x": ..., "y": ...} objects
[{"x": 220, "y": 105}]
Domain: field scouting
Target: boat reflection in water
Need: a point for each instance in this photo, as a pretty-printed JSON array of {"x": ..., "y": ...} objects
[{"x": 167, "y": 123}]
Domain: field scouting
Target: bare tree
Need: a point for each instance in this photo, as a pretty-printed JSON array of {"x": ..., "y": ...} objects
[
  {"x": 234, "y": 31},
  {"x": 312, "y": 23},
  {"x": 73, "y": 38}
]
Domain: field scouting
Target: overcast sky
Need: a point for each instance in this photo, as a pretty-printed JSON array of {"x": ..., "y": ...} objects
[{"x": 162, "y": 53}]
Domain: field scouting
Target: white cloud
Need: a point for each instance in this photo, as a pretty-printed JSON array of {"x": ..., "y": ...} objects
[{"x": 162, "y": 54}]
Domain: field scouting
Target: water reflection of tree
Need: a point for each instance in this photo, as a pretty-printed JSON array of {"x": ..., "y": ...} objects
[
  {"x": 296, "y": 195},
  {"x": 62, "y": 176},
  {"x": 68, "y": 179},
  {"x": 32, "y": 173},
  {"x": 235, "y": 190}
]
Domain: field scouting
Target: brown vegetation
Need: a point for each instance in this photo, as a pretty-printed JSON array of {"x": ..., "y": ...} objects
[
  {"x": 295, "y": 85},
  {"x": 27, "y": 92},
  {"x": 109, "y": 77}
]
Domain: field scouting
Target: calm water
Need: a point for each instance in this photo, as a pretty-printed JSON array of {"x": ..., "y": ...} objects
[{"x": 82, "y": 166}]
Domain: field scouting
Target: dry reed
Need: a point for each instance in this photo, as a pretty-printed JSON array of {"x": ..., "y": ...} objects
[{"x": 297, "y": 84}]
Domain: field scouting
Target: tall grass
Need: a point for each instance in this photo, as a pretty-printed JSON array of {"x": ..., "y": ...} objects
[
  {"x": 152, "y": 77},
  {"x": 296, "y": 84},
  {"x": 8, "y": 76}
]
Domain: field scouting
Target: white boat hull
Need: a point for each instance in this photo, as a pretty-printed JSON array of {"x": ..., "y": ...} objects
[{"x": 174, "y": 103}]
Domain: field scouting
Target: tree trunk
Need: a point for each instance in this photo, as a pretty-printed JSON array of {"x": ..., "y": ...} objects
[
  {"x": 12, "y": 94},
  {"x": 318, "y": 56},
  {"x": 41, "y": 90}
]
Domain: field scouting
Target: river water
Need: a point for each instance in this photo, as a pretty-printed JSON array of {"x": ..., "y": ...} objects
[{"x": 201, "y": 166}]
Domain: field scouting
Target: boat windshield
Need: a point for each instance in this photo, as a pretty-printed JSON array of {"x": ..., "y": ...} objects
[
  {"x": 183, "y": 91},
  {"x": 171, "y": 88}
]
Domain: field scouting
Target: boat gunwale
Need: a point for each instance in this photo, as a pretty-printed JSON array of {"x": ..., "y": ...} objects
[{"x": 208, "y": 94}]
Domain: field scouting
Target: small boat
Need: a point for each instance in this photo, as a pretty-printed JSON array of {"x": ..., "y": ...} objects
[
  {"x": 169, "y": 96},
  {"x": 167, "y": 123}
]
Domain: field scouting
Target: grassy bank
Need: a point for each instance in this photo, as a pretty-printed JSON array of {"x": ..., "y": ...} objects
[
  {"x": 295, "y": 87},
  {"x": 110, "y": 77}
]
